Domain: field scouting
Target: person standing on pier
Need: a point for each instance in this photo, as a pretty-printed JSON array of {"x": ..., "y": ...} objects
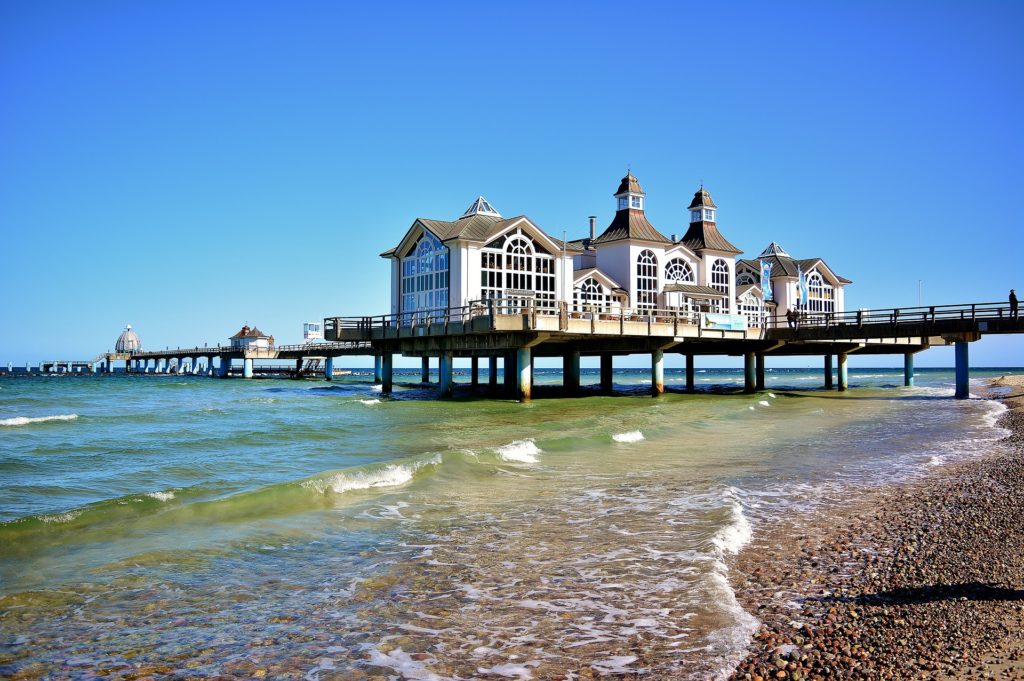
[
  {"x": 1013, "y": 305},
  {"x": 791, "y": 318}
]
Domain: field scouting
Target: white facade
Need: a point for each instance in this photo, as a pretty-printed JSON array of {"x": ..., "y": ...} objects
[{"x": 443, "y": 266}]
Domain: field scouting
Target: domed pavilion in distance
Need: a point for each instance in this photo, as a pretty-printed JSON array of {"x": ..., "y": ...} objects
[{"x": 128, "y": 342}]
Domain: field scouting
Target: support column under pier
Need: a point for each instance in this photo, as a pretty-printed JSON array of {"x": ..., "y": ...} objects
[
  {"x": 842, "y": 374},
  {"x": 749, "y": 371},
  {"x": 387, "y": 373},
  {"x": 225, "y": 367},
  {"x": 247, "y": 368},
  {"x": 298, "y": 368},
  {"x": 760, "y": 371},
  {"x": 828, "y": 372},
  {"x": 657, "y": 372},
  {"x": 444, "y": 370},
  {"x": 492, "y": 372},
  {"x": 524, "y": 383},
  {"x": 509, "y": 366},
  {"x": 689, "y": 374},
  {"x": 963, "y": 372},
  {"x": 607, "y": 370},
  {"x": 908, "y": 369},
  {"x": 376, "y": 368},
  {"x": 329, "y": 369},
  {"x": 474, "y": 371},
  {"x": 571, "y": 372},
  {"x": 425, "y": 370}
]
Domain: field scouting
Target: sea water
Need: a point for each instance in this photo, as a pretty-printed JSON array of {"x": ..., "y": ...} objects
[{"x": 304, "y": 529}]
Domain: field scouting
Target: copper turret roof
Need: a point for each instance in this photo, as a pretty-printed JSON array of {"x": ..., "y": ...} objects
[
  {"x": 630, "y": 223},
  {"x": 702, "y": 199},
  {"x": 629, "y": 184}
]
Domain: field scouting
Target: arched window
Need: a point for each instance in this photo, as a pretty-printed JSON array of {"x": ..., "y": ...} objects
[
  {"x": 720, "y": 275},
  {"x": 678, "y": 271},
  {"x": 592, "y": 297},
  {"x": 753, "y": 307},
  {"x": 647, "y": 280},
  {"x": 820, "y": 296},
  {"x": 512, "y": 266},
  {"x": 745, "y": 278},
  {"x": 425, "y": 275}
]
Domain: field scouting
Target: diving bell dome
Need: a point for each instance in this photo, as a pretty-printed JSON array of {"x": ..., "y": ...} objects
[{"x": 128, "y": 341}]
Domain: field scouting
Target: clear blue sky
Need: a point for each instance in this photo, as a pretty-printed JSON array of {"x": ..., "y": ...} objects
[{"x": 187, "y": 167}]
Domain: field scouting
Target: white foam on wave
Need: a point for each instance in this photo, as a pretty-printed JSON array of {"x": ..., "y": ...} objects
[
  {"x": 519, "y": 451},
  {"x": 390, "y": 475},
  {"x": 765, "y": 403},
  {"x": 737, "y": 533},
  {"x": 510, "y": 670},
  {"x": 60, "y": 517},
  {"x": 26, "y": 420},
  {"x": 403, "y": 663},
  {"x": 162, "y": 496},
  {"x": 369, "y": 402},
  {"x": 771, "y": 395},
  {"x": 936, "y": 461},
  {"x": 629, "y": 436}
]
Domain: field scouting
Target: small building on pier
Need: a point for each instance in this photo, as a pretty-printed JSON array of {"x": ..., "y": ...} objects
[
  {"x": 128, "y": 342},
  {"x": 251, "y": 339}
]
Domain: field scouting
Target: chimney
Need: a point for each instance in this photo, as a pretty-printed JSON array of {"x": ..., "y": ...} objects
[
  {"x": 674, "y": 238},
  {"x": 593, "y": 227}
]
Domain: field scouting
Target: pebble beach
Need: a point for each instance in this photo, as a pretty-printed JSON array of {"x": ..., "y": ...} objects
[{"x": 917, "y": 581}]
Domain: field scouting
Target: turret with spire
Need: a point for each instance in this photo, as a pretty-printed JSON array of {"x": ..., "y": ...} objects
[
  {"x": 630, "y": 221},
  {"x": 703, "y": 234}
]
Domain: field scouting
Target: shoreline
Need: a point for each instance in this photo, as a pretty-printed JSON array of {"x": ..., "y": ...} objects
[{"x": 923, "y": 579}]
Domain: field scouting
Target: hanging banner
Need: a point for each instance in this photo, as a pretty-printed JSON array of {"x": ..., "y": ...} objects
[
  {"x": 802, "y": 284},
  {"x": 766, "y": 280}
]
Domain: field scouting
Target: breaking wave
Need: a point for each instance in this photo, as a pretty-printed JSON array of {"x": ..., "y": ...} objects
[
  {"x": 519, "y": 451},
  {"x": 628, "y": 437},
  {"x": 26, "y": 420}
]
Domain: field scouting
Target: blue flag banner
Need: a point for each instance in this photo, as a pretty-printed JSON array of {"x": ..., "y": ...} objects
[
  {"x": 802, "y": 279},
  {"x": 766, "y": 280}
]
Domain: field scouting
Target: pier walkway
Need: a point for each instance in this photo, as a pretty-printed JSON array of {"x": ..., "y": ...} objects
[{"x": 516, "y": 332}]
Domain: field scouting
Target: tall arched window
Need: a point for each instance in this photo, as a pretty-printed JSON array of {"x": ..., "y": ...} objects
[
  {"x": 514, "y": 267},
  {"x": 425, "y": 275},
  {"x": 592, "y": 297},
  {"x": 720, "y": 275},
  {"x": 647, "y": 280},
  {"x": 678, "y": 271},
  {"x": 820, "y": 296}
]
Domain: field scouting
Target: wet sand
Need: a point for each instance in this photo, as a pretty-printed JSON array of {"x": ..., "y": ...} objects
[{"x": 922, "y": 580}]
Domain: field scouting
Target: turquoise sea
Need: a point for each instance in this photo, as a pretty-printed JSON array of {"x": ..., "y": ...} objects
[{"x": 174, "y": 526}]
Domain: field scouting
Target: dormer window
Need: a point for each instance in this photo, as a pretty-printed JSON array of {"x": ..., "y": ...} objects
[
  {"x": 694, "y": 216},
  {"x": 709, "y": 215},
  {"x": 623, "y": 203},
  {"x": 635, "y": 202}
]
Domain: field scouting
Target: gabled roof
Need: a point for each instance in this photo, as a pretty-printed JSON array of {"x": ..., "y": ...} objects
[
  {"x": 246, "y": 332},
  {"x": 478, "y": 227},
  {"x": 704, "y": 236},
  {"x": 785, "y": 266},
  {"x": 740, "y": 290},
  {"x": 587, "y": 272},
  {"x": 630, "y": 223}
]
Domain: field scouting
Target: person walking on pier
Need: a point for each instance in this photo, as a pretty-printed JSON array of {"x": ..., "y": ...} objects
[
  {"x": 1013, "y": 305},
  {"x": 791, "y": 318}
]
